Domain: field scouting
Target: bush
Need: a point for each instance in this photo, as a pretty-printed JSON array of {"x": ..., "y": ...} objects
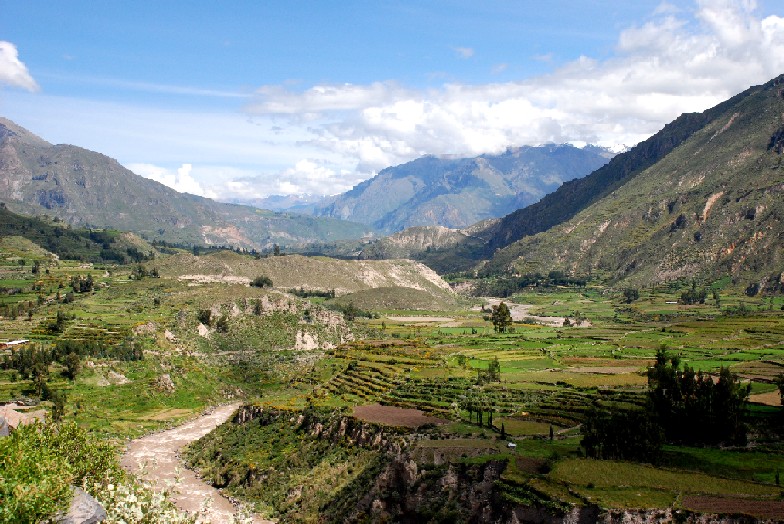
[
  {"x": 261, "y": 281},
  {"x": 40, "y": 462}
]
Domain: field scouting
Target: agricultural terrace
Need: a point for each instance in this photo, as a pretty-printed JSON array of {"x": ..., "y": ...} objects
[
  {"x": 534, "y": 385},
  {"x": 123, "y": 350}
]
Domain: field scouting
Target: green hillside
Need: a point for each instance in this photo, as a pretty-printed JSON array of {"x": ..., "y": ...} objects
[
  {"x": 34, "y": 237},
  {"x": 711, "y": 207}
]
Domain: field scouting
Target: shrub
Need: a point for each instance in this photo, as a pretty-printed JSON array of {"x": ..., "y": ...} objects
[
  {"x": 262, "y": 281},
  {"x": 40, "y": 462}
]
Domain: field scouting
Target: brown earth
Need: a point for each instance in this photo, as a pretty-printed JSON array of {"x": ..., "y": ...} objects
[
  {"x": 394, "y": 416},
  {"x": 766, "y": 509}
]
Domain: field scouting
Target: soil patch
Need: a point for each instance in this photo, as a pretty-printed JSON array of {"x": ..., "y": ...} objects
[
  {"x": 771, "y": 398},
  {"x": 395, "y": 416},
  {"x": 604, "y": 370},
  {"x": 766, "y": 509},
  {"x": 421, "y": 319}
]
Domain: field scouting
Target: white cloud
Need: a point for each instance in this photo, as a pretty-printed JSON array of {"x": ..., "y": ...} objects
[
  {"x": 13, "y": 72},
  {"x": 308, "y": 176},
  {"x": 179, "y": 180},
  {"x": 678, "y": 61},
  {"x": 464, "y": 52}
]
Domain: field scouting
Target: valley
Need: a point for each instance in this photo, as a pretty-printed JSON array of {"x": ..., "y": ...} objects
[
  {"x": 391, "y": 413},
  {"x": 613, "y": 352}
]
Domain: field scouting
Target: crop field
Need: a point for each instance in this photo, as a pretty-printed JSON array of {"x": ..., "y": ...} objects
[
  {"x": 549, "y": 377},
  {"x": 159, "y": 350}
]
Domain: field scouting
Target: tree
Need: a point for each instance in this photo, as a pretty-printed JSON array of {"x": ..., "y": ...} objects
[
  {"x": 630, "y": 295},
  {"x": 261, "y": 281},
  {"x": 622, "y": 434},
  {"x": 72, "y": 365},
  {"x": 501, "y": 317},
  {"x": 692, "y": 408},
  {"x": 494, "y": 370},
  {"x": 58, "y": 398}
]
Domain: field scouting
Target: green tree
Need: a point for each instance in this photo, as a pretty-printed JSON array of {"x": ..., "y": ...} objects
[
  {"x": 630, "y": 295},
  {"x": 501, "y": 317},
  {"x": 261, "y": 281},
  {"x": 692, "y": 408},
  {"x": 72, "y": 365}
]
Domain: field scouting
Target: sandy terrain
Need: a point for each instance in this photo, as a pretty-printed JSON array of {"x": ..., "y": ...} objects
[
  {"x": 160, "y": 454},
  {"x": 522, "y": 311}
]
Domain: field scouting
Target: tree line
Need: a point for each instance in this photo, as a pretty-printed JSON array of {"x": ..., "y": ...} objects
[{"x": 683, "y": 406}]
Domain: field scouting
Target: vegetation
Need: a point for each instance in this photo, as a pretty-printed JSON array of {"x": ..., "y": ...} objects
[{"x": 40, "y": 463}]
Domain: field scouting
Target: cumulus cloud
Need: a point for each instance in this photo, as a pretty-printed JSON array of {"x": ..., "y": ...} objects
[
  {"x": 308, "y": 176},
  {"x": 13, "y": 72},
  {"x": 179, "y": 180},
  {"x": 679, "y": 60}
]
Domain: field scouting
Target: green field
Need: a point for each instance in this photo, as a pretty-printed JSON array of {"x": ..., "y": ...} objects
[{"x": 211, "y": 342}]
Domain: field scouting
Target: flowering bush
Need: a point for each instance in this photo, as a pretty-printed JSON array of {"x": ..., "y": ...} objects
[{"x": 137, "y": 502}]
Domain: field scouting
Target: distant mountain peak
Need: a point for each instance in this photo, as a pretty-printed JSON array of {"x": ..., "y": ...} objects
[{"x": 457, "y": 191}]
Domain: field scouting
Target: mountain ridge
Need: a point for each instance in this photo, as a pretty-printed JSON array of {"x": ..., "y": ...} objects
[
  {"x": 710, "y": 207},
  {"x": 457, "y": 192},
  {"x": 89, "y": 189}
]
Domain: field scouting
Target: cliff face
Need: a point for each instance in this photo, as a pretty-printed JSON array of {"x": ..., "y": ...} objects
[{"x": 407, "y": 483}]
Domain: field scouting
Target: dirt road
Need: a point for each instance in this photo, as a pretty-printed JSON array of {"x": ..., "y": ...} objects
[{"x": 160, "y": 454}]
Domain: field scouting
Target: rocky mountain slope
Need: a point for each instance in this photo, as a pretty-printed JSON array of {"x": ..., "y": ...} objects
[
  {"x": 711, "y": 206},
  {"x": 458, "y": 192},
  {"x": 309, "y": 273},
  {"x": 89, "y": 189}
]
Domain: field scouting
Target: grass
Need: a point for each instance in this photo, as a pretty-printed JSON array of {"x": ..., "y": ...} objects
[
  {"x": 631, "y": 485},
  {"x": 554, "y": 374}
]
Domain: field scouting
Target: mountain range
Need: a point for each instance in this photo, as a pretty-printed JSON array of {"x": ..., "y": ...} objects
[
  {"x": 702, "y": 198},
  {"x": 459, "y": 192},
  {"x": 88, "y": 189}
]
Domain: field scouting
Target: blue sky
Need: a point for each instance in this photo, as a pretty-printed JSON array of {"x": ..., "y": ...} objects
[{"x": 277, "y": 97}]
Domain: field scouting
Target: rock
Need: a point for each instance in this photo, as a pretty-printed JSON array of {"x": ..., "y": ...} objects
[
  {"x": 84, "y": 510},
  {"x": 164, "y": 383},
  {"x": 118, "y": 379}
]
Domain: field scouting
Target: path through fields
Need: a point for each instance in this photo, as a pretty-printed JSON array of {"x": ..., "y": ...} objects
[{"x": 159, "y": 453}]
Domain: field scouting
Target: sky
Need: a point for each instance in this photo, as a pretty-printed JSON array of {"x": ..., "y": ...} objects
[{"x": 247, "y": 99}]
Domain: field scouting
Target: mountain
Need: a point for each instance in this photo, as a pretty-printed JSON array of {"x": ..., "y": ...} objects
[
  {"x": 89, "y": 189},
  {"x": 709, "y": 204},
  {"x": 458, "y": 192},
  {"x": 277, "y": 202}
]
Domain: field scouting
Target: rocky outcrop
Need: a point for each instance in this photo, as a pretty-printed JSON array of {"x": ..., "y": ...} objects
[{"x": 84, "y": 509}]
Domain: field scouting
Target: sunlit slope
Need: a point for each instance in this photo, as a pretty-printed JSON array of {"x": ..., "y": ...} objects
[{"x": 711, "y": 207}]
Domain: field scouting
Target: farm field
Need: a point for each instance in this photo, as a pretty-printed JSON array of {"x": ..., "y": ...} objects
[
  {"x": 441, "y": 386},
  {"x": 549, "y": 378}
]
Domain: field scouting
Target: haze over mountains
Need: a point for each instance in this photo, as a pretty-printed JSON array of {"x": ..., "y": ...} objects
[
  {"x": 89, "y": 189},
  {"x": 459, "y": 192}
]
